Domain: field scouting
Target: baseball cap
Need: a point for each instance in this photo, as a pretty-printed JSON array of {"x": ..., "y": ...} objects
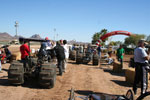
[{"x": 46, "y": 38}]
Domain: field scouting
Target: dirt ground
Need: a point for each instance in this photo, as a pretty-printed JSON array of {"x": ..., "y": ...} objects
[{"x": 83, "y": 78}]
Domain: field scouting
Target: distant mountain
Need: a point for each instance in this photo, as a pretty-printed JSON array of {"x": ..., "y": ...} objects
[
  {"x": 18, "y": 36},
  {"x": 5, "y": 37},
  {"x": 77, "y": 42},
  {"x": 36, "y": 36}
]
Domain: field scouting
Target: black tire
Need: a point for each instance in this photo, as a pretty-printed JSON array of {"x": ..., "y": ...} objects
[
  {"x": 52, "y": 82},
  {"x": 72, "y": 96},
  {"x": 79, "y": 58},
  {"x": 34, "y": 60},
  {"x": 145, "y": 96},
  {"x": 16, "y": 73},
  {"x": 73, "y": 55},
  {"x": 130, "y": 95},
  {"x": 47, "y": 75},
  {"x": 131, "y": 63},
  {"x": 95, "y": 59}
]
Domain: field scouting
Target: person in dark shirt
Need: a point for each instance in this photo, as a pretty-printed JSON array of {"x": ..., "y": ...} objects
[
  {"x": 8, "y": 54},
  {"x": 60, "y": 54},
  {"x": 99, "y": 51}
]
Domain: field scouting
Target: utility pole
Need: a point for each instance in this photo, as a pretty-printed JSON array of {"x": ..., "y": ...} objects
[
  {"x": 16, "y": 25},
  {"x": 54, "y": 34}
]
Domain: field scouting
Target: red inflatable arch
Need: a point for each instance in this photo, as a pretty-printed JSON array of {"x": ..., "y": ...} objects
[{"x": 102, "y": 38}]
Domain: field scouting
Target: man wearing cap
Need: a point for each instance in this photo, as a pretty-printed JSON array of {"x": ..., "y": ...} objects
[
  {"x": 46, "y": 48},
  {"x": 48, "y": 44},
  {"x": 140, "y": 58},
  {"x": 61, "y": 42}
]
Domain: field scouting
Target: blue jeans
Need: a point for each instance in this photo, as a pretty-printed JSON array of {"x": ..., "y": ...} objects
[{"x": 99, "y": 53}]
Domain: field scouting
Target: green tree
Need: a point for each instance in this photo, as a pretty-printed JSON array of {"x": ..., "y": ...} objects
[
  {"x": 115, "y": 43},
  {"x": 118, "y": 42},
  {"x": 134, "y": 39},
  {"x": 97, "y": 35},
  {"x": 112, "y": 43}
]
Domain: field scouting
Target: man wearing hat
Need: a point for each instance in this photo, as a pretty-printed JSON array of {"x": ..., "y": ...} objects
[
  {"x": 141, "y": 59},
  {"x": 48, "y": 43}
]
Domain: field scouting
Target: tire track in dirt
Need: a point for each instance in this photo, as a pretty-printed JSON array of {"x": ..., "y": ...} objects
[
  {"x": 7, "y": 91},
  {"x": 61, "y": 89},
  {"x": 80, "y": 77},
  {"x": 66, "y": 82}
]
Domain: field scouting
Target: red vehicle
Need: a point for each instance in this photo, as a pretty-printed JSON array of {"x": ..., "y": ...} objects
[
  {"x": 3, "y": 58},
  {"x": 5, "y": 55}
]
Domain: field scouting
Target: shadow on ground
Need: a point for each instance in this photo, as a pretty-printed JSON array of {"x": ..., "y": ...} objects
[
  {"x": 30, "y": 83},
  {"x": 113, "y": 73},
  {"x": 4, "y": 82},
  {"x": 4, "y": 69},
  {"x": 74, "y": 63},
  {"x": 122, "y": 83}
]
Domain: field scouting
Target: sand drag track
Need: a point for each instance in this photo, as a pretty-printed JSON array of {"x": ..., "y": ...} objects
[{"x": 83, "y": 78}]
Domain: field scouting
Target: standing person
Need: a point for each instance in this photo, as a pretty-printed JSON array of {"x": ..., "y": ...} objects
[
  {"x": 66, "y": 48},
  {"x": 8, "y": 53},
  {"x": 120, "y": 54},
  {"x": 89, "y": 49},
  {"x": 48, "y": 44},
  {"x": 81, "y": 49},
  {"x": 61, "y": 42},
  {"x": 0, "y": 60},
  {"x": 25, "y": 50},
  {"x": 60, "y": 54},
  {"x": 73, "y": 47},
  {"x": 140, "y": 58},
  {"x": 46, "y": 48},
  {"x": 99, "y": 50}
]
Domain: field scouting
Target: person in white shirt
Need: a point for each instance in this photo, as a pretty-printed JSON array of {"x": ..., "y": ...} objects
[
  {"x": 140, "y": 58},
  {"x": 66, "y": 47}
]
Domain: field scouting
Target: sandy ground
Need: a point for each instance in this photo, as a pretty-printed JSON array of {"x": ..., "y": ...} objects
[
  {"x": 15, "y": 48},
  {"x": 83, "y": 78}
]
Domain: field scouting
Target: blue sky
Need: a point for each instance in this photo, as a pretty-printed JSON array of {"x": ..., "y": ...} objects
[{"x": 74, "y": 19}]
